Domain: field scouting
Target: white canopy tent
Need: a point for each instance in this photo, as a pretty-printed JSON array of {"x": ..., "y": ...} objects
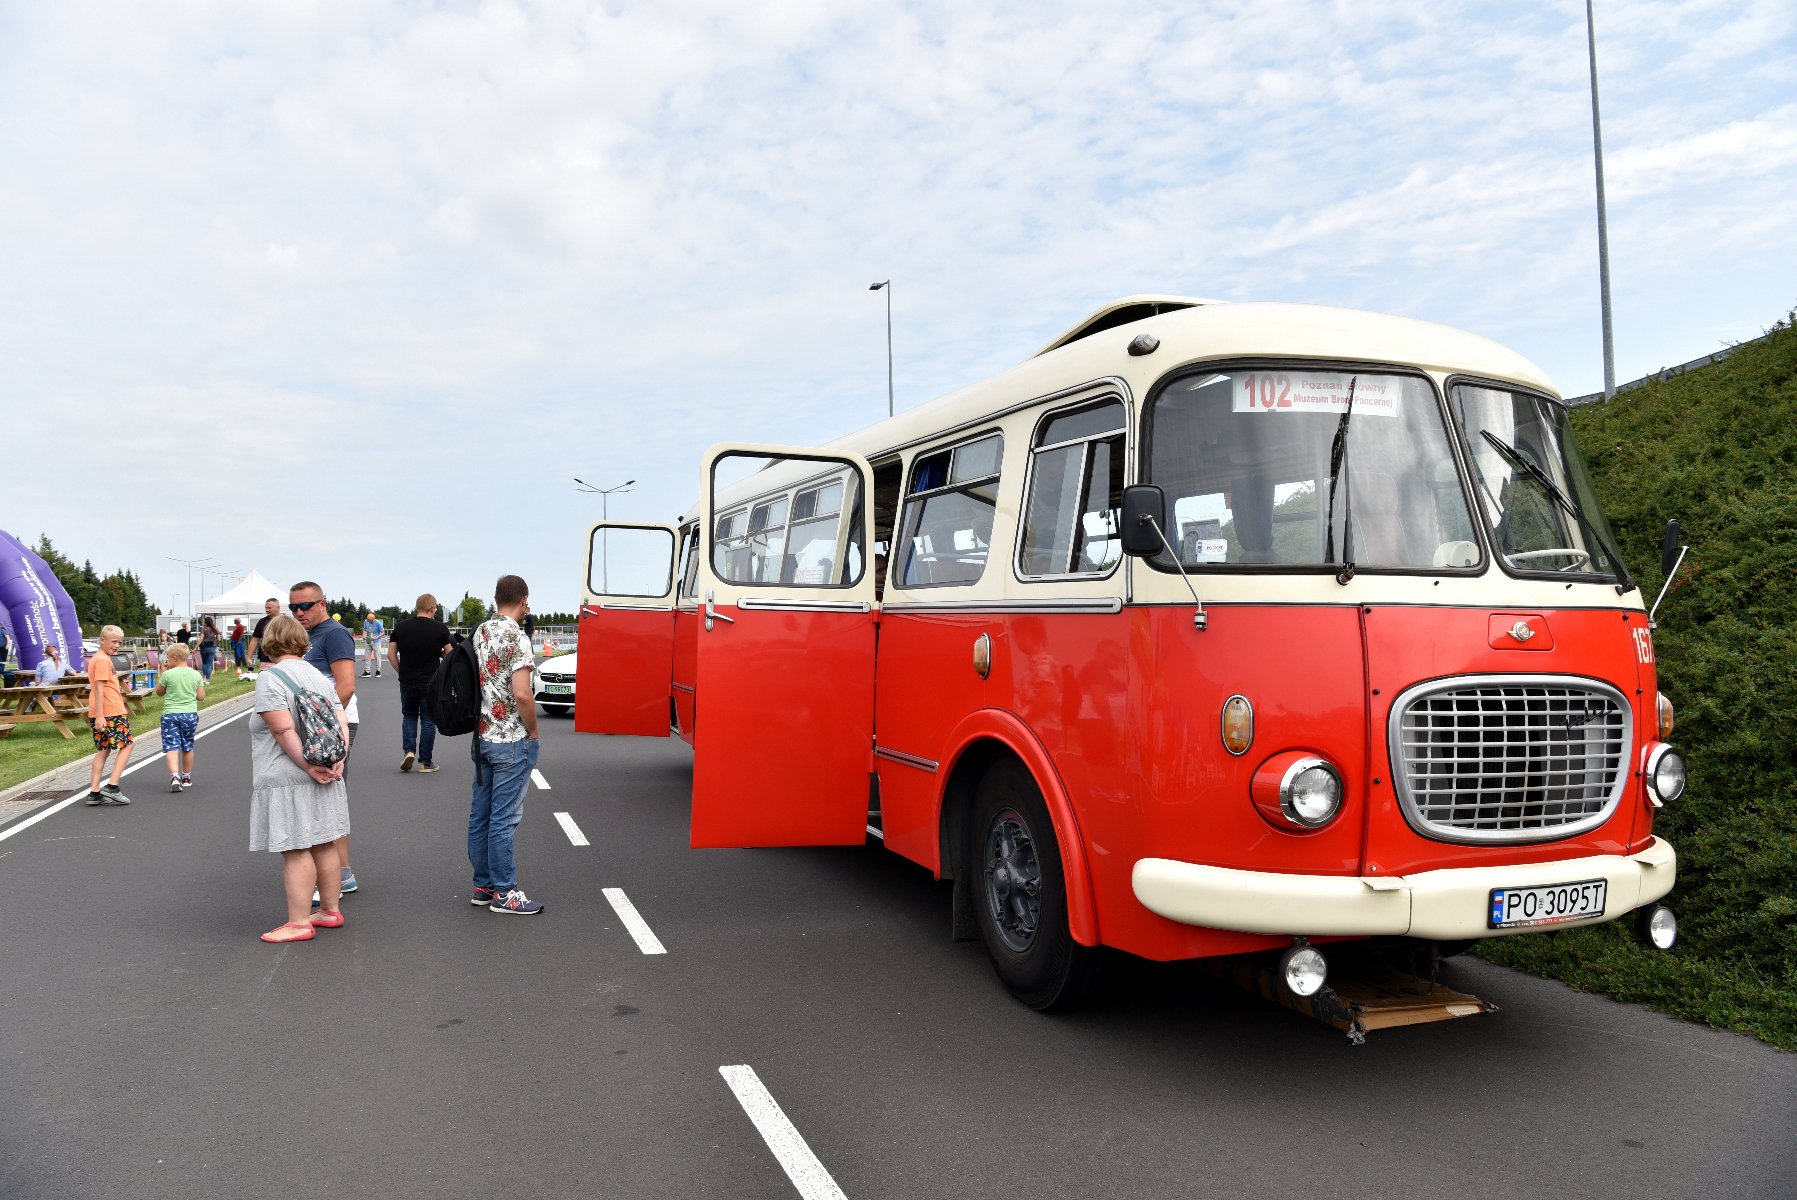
[{"x": 244, "y": 600}]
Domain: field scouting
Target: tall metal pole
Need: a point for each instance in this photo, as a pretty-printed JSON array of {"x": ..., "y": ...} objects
[
  {"x": 1603, "y": 233},
  {"x": 885, "y": 285},
  {"x": 604, "y": 534}
]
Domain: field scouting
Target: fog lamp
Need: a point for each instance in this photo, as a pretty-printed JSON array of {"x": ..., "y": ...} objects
[
  {"x": 1665, "y": 775},
  {"x": 1302, "y": 969},
  {"x": 1656, "y": 926},
  {"x": 1665, "y": 707}
]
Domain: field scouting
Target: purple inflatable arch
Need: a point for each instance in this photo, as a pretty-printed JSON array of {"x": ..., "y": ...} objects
[{"x": 34, "y": 606}]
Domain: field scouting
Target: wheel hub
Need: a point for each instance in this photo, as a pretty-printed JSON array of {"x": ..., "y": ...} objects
[{"x": 1013, "y": 880}]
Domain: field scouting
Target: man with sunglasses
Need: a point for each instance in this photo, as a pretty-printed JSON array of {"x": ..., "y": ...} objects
[{"x": 333, "y": 652}]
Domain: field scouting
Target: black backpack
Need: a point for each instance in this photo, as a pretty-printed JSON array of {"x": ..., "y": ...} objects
[{"x": 455, "y": 691}]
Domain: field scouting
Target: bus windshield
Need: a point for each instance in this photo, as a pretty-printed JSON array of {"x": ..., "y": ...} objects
[
  {"x": 1532, "y": 483},
  {"x": 1299, "y": 468}
]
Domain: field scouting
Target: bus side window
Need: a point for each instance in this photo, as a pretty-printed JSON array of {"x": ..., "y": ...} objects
[
  {"x": 947, "y": 526},
  {"x": 689, "y": 571},
  {"x": 1075, "y": 494}
]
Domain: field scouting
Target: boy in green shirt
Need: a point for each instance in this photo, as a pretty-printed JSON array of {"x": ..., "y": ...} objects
[{"x": 182, "y": 689}]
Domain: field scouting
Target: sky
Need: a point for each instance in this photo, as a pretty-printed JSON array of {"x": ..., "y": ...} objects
[{"x": 352, "y": 292}]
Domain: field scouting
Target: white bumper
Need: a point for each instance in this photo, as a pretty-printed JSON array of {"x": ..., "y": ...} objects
[{"x": 1445, "y": 905}]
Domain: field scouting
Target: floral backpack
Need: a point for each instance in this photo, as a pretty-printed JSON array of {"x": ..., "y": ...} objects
[{"x": 321, "y": 739}]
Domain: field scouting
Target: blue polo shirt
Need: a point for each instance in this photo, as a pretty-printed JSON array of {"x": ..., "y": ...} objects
[{"x": 331, "y": 643}]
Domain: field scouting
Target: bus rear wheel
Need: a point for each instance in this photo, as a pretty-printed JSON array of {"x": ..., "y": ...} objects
[{"x": 1013, "y": 865}]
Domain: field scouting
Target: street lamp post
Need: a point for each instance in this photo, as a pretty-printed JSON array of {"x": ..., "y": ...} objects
[
  {"x": 885, "y": 285},
  {"x": 1603, "y": 235},
  {"x": 604, "y": 495},
  {"x": 190, "y": 564}
]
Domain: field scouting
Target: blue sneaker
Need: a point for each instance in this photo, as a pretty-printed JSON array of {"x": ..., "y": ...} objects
[
  {"x": 482, "y": 897},
  {"x": 514, "y": 902},
  {"x": 349, "y": 882}
]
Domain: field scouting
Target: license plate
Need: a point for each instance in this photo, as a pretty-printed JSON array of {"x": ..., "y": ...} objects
[
  {"x": 1555, "y": 904},
  {"x": 559, "y": 689}
]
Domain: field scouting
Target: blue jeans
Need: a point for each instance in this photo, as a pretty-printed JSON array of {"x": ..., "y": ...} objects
[
  {"x": 208, "y": 656},
  {"x": 501, "y": 773},
  {"x": 415, "y": 710}
]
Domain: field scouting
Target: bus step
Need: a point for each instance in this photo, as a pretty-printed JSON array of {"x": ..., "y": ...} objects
[{"x": 1366, "y": 998}]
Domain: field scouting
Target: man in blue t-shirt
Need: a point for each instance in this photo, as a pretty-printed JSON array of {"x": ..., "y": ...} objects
[
  {"x": 333, "y": 652},
  {"x": 372, "y": 632}
]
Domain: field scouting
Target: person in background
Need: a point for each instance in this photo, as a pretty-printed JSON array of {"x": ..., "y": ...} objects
[
  {"x": 504, "y": 749},
  {"x": 5, "y": 649},
  {"x": 106, "y": 713},
  {"x": 208, "y": 647},
  {"x": 332, "y": 653},
  {"x": 418, "y": 644},
  {"x": 182, "y": 688},
  {"x": 184, "y": 635},
  {"x": 238, "y": 632},
  {"x": 373, "y": 629},
  {"x": 51, "y": 670},
  {"x": 271, "y": 608},
  {"x": 297, "y": 809}
]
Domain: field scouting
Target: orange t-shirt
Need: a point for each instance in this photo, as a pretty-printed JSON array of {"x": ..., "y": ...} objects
[{"x": 103, "y": 696}]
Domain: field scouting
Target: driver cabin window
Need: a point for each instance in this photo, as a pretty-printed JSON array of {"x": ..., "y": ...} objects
[
  {"x": 946, "y": 531},
  {"x": 1075, "y": 494}
]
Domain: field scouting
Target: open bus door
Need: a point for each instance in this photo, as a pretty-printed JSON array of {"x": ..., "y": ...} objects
[
  {"x": 784, "y": 678},
  {"x": 626, "y": 630}
]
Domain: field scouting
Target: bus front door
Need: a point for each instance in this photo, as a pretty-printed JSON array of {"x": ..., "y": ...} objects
[
  {"x": 784, "y": 677},
  {"x": 626, "y": 644}
]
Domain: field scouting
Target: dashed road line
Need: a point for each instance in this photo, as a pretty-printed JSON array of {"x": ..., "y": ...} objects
[
  {"x": 795, "y": 1157},
  {"x": 536, "y": 777},
  {"x": 646, "y": 941},
  {"x": 155, "y": 757},
  {"x": 572, "y": 830}
]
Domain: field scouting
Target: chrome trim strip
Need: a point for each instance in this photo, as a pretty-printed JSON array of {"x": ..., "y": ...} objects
[
  {"x": 685, "y": 687},
  {"x": 872, "y": 832},
  {"x": 860, "y": 606},
  {"x": 634, "y": 607},
  {"x": 1106, "y": 606},
  {"x": 908, "y": 760}
]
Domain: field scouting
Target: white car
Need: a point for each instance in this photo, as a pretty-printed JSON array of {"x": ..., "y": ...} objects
[{"x": 553, "y": 684}]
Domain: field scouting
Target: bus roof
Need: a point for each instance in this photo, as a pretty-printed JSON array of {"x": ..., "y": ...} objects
[{"x": 1193, "y": 330}]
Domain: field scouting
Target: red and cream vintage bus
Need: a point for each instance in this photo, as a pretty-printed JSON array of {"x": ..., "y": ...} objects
[{"x": 1210, "y": 629}]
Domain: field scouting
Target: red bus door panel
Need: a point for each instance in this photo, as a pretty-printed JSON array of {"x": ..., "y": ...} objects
[
  {"x": 624, "y": 690},
  {"x": 784, "y": 670},
  {"x": 626, "y": 644}
]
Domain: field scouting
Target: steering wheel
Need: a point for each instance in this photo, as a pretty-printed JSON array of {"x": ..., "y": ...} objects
[{"x": 1579, "y": 557}]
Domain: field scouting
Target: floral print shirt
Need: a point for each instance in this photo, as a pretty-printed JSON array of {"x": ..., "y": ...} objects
[{"x": 501, "y": 648}]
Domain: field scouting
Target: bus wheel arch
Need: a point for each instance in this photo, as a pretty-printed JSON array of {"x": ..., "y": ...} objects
[{"x": 984, "y": 739}]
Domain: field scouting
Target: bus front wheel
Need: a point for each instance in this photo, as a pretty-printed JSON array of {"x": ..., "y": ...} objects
[{"x": 1020, "y": 895}]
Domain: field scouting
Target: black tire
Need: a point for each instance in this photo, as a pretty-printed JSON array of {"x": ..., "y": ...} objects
[
  {"x": 1013, "y": 866},
  {"x": 556, "y": 710}
]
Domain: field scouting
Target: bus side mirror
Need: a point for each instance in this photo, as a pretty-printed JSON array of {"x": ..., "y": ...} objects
[
  {"x": 1669, "y": 548},
  {"x": 1144, "y": 507}
]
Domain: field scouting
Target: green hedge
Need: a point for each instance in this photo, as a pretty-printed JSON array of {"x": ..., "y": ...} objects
[{"x": 1716, "y": 448}]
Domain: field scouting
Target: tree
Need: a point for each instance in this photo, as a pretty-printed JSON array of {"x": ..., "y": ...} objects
[{"x": 470, "y": 611}]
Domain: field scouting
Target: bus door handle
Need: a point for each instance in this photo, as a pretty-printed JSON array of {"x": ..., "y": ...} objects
[{"x": 712, "y": 615}]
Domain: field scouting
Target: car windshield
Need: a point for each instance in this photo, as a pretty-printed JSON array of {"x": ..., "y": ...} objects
[
  {"x": 1295, "y": 467},
  {"x": 1532, "y": 483}
]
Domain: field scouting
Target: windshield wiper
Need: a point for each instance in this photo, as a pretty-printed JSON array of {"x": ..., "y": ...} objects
[
  {"x": 1516, "y": 458},
  {"x": 1338, "y": 454}
]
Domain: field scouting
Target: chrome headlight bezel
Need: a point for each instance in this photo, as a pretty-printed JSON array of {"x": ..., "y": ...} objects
[
  {"x": 1290, "y": 796},
  {"x": 1666, "y": 760}
]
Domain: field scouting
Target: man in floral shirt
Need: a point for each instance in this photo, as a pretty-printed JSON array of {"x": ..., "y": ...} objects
[{"x": 505, "y": 751}]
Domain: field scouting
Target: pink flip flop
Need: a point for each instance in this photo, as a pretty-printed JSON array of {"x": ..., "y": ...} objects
[
  {"x": 307, "y": 936},
  {"x": 325, "y": 920}
]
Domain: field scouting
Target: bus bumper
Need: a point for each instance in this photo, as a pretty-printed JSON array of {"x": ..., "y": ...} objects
[{"x": 1446, "y": 905}]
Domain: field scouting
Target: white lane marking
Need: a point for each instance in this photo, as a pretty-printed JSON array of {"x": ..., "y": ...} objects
[
  {"x": 536, "y": 777},
  {"x": 795, "y": 1157},
  {"x": 572, "y": 830},
  {"x": 646, "y": 941},
  {"x": 34, "y": 818}
]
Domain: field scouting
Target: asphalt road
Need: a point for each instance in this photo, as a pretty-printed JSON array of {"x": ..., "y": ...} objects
[{"x": 151, "y": 1046}]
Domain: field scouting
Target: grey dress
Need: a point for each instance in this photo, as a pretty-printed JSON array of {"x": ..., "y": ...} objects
[{"x": 288, "y": 810}]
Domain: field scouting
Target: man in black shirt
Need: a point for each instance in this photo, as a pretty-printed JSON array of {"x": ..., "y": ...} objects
[
  {"x": 270, "y": 607},
  {"x": 415, "y": 647}
]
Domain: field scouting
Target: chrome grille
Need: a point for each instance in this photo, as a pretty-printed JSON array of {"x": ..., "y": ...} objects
[
  {"x": 551, "y": 677},
  {"x": 1509, "y": 758}
]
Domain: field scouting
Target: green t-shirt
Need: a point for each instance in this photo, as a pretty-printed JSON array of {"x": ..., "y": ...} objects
[{"x": 181, "y": 690}]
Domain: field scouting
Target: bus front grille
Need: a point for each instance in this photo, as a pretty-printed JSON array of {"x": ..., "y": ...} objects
[{"x": 1509, "y": 758}]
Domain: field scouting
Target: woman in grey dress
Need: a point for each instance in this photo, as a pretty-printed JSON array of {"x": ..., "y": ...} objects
[{"x": 296, "y": 809}]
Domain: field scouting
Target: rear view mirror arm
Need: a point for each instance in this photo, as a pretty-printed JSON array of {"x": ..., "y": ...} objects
[{"x": 1200, "y": 621}]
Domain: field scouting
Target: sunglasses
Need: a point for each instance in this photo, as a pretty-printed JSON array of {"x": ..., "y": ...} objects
[{"x": 303, "y": 606}]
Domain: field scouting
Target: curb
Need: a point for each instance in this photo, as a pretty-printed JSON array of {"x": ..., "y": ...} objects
[{"x": 55, "y": 784}]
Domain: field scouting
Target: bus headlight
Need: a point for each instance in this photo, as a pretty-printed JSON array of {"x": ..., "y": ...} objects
[
  {"x": 1665, "y": 707},
  {"x": 1665, "y": 775},
  {"x": 1297, "y": 791},
  {"x": 1303, "y": 969}
]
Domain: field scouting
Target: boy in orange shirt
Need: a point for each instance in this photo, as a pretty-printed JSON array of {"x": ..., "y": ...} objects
[{"x": 106, "y": 713}]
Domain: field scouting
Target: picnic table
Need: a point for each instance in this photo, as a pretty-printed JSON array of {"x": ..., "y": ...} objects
[{"x": 56, "y": 703}]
